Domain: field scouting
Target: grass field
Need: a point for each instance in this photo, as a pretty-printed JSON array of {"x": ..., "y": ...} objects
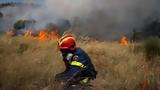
[{"x": 27, "y": 64}]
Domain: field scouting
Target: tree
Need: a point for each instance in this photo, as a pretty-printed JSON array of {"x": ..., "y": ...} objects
[{"x": 21, "y": 24}]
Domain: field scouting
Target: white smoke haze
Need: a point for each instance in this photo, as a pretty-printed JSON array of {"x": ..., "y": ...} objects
[
  {"x": 11, "y": 15},
  {"x": 98, "y": 18}
]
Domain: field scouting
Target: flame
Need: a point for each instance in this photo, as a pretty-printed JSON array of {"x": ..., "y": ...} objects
[
  {"x": 43, "y": 35},
  {"x": 124, "y": 41}
]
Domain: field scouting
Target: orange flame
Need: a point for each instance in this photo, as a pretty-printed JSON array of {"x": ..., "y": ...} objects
[
  {"x": 43, "y": 35},
  {"x": 124, "y": 41}
]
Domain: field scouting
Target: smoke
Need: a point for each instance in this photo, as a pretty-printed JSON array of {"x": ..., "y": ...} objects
[
  {"x": 98, "y": 18},
  {"x": 13, "y": 12}
]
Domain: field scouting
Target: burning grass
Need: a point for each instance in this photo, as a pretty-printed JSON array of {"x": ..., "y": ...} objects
[{"x": 26, "y": 63}]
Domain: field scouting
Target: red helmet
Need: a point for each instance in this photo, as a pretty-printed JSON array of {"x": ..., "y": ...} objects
[{"x": 67, "y": 42}]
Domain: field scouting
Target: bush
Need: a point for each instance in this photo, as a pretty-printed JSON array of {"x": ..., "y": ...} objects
[{"x": 152, "y": 47}]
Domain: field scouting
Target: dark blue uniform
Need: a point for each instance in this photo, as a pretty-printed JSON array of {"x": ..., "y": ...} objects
[{"x": 78, "y": 64}]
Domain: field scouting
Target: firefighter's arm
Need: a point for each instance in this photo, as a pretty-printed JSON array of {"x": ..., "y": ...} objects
[
  {"x": 67, "y": 59},
  {"x": 78, "y": 64},
  {"x": 75, "y": 69}
]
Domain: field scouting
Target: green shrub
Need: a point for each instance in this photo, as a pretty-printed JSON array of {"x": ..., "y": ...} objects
[{"x": 152, "y": 47}]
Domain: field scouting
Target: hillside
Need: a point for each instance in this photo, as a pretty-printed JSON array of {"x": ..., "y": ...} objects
[{"x": 27, "y": 64}]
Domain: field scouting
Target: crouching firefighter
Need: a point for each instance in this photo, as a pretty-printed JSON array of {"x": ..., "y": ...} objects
[{"x": 79, "y": 68}]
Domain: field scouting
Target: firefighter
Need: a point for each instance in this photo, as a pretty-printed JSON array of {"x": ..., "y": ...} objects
[{"x": 79, "y": 67}]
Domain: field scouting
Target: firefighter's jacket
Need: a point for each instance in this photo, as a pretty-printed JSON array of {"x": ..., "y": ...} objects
[{"x": 78, "y": 64}]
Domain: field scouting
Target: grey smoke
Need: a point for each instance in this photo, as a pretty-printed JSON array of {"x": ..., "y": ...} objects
[{"x": 98, "y": 18}]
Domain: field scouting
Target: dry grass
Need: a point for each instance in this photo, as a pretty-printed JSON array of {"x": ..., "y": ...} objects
[{"x": 26, "y": 64}]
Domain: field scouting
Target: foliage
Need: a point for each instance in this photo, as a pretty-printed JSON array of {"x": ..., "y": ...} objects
[
  {"x": 20, "y": 24},
  {"x": 152, "y": 47}
]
